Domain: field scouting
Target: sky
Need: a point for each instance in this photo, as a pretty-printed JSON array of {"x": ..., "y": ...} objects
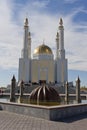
[{"x": 43, "y": 18}]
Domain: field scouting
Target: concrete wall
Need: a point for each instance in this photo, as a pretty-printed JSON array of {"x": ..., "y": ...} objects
[
  {"x": 49, "y": 113},
  {"x": 67, "y": 111},
  {"x": 29, "y": 110}
]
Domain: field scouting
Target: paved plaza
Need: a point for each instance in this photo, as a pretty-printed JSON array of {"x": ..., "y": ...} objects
[{"x": 12, "y": 121}]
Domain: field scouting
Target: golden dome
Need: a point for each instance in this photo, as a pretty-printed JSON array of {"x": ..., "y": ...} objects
[{"x": 43, "y": 49}]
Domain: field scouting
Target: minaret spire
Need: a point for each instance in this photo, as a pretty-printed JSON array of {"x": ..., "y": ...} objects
[
  {"x": 29, "y": 45},
  {"x": 61, "y": 39},
  {"x": 61, "y": 61},
  {"x": 25, "y": 60},
  {"x": 26, "y": 22},
  {"x": 27, "y": 41},
  {"x": 61, "y": 22},
  {"x": 57, "y": 44}
]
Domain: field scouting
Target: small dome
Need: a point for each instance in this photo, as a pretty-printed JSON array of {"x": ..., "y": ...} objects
[
  {"x": 43, "y": 49},
  {"x": 44, "y": 95}
]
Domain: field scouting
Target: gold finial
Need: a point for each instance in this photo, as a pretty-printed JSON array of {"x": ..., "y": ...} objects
[{"x": 61, "y": 21}]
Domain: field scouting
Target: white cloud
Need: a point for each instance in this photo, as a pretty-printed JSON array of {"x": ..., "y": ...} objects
[
  {"x": 70, "y": 1},
  {"x": 75, "y": 42},
  {"x": 42, "y": 26},
  {"x": 38, "y": 4},
  {"x": 9, "y": 36}
]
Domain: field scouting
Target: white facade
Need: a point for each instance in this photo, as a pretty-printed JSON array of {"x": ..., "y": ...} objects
[{"x": 43, "y": 67}]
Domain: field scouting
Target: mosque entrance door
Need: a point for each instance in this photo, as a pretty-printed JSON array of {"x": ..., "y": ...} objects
[
  {"x": 42, "y": 81},
  {"x": 42, "y": 75}
]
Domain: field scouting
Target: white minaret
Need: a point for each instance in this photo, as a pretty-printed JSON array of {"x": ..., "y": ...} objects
[
  {"x": 29, "y": 45},
  {"x": 61, "y": 62},
  {"x": 61, "y": 40},
  {"x": 57, "y": 44},
  {"x": 25, "y": 60},
  {"x": 26, "y": 52}
]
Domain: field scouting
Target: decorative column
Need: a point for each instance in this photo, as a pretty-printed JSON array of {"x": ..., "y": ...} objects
[
  {"x": 21, "y": 92},
  {"x": 67, "y": 93},
  {"x": 12, "y": 90},
  {"x": 78, "y": 98},
  {"x": 21, "y": 88}
]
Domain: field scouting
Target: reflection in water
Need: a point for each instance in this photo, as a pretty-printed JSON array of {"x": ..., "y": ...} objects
[
  {"x": 4, "y": 99},
  {"x": 7, "y": 100}
]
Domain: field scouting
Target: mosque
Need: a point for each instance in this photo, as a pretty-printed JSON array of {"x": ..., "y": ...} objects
[{"x": 43, "y": 68}]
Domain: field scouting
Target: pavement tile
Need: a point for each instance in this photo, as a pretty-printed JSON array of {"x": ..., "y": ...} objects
[{"x": 13, "y": 121}]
